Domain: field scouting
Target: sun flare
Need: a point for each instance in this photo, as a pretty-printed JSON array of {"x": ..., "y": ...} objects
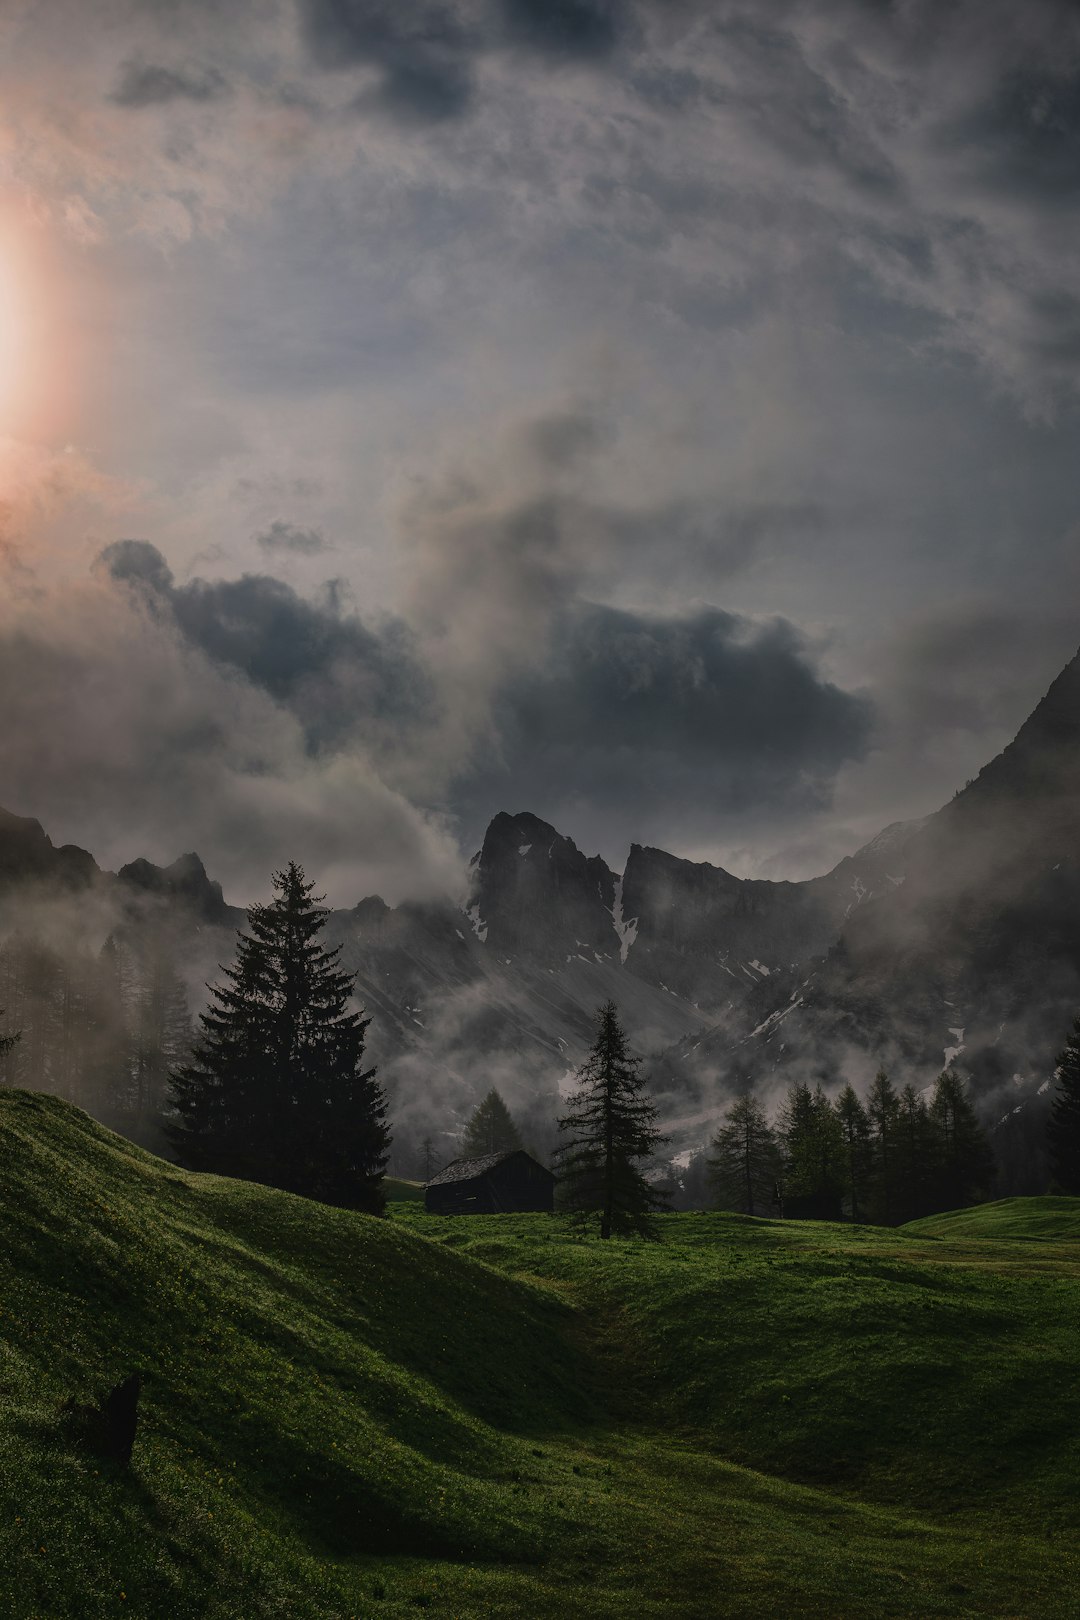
[{"x": 11, "y": 338}]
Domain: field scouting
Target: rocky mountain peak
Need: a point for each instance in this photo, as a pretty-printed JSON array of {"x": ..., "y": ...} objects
[
  {"x": 28, "y": 855},
  {"x": 186, "y": 881},
  {"x": 534, "y": 891}
]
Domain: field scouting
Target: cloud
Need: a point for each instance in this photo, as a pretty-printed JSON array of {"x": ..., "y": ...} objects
[
  {"x": 426, "y": 55},
  {"x": 122, "y": 734},
  {"x": 636, "y": 723},
  {"x": 148, "y": 84},
  {"x": 565, "y": 28},
  {"x": 287, "y": 537},
  {"x": 422, "y": 53},
  {"x": 345, "y": 682},
  {"x": 502, "y": 682}
]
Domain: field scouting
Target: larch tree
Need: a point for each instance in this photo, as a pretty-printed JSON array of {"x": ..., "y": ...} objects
[
  {"x": 611, "y": 1133},
  {"x": 813, "y": 1154},
  {"x": 745, "y": 1163},
  {"x": 491, "y": 1129},
  {"x": 1063, "y": 1125},
  {"x": 276, "y": 1090}
]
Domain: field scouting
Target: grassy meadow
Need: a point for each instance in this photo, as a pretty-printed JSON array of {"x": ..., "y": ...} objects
[{"x": 493, "y": 1416}]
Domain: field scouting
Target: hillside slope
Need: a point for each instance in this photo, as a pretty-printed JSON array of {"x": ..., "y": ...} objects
[
  {"x": 973, "y": 961},
  {"x": 1009, "y": 1220},
  {"x": 351, "y": 1417}
]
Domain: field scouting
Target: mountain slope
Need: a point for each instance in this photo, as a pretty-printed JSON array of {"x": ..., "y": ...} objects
[{"x": 973, "y": 961}]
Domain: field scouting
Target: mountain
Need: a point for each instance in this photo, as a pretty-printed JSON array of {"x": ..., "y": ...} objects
[
  {"x": 950, "y": 940},
  {"x": 502, "y": 991},
  {"x": 183, "y": 885},
  {"x": 29, "y": 856},
  {"x": 973, "y": 961},
  {"x": 710, "y": 936},
  {"x": 684, "y": 927}
]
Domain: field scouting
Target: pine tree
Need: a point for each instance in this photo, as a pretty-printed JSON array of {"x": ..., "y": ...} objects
[
  {"x": 276, "y": 1090},
  {"x": 964, "y": 1172},
  {"x": 1063, "y": 1126},
  {"x": 883, "y": 1112},
  {"x": 746, "y": 1162},
  {"x": 855, "y": 1129},
  {"x": 915, "y": 1152},
  {"x": 491, "y": 1129},
  {"x": 611, "y": 1129}
]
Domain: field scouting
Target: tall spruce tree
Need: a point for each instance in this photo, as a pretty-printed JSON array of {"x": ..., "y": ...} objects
[
  {"x": 964, "y": 1169},
  {"x": 855, "y": 1130},
  {"x": 611, "y": 1130},
  {"x": 276, "y": 1090},
  {"x": 915, "y": 1153},
  {"x": 491, "y": 1129},
  {"x": 883, "y": 1112},
  {"x": 746, "y": 1163},
  {"x": 1063, "y": 1126}
]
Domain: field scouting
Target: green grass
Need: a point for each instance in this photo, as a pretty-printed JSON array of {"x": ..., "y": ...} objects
[
  {"x": 1017, "y": 1220},
  {"x": 490, "y": 1416},
  {"x": 398, "y": 1191}
]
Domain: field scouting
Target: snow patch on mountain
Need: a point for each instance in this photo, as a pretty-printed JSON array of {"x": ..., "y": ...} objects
[
  {"x": 953, "y": 1052},
  {"x": 626, "y": 930},
  {"x": 477, "y": 923},
  {"x": 775, "y": 1017}
]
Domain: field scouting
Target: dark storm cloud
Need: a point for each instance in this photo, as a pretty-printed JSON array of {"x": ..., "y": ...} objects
[
  {"x": 698, "y": 715},
  {"x": 138, "y": 563},
  {"x": 427, "y": 54},
  {"x": 148, "y": 84},
  {"x": 565, "y": 28},
  {"x": 1024, "y": 134},
  {"x": 287, "y": 537},
  {"x": 423, "y": 53},
  {"x": 342, "y": 679}
]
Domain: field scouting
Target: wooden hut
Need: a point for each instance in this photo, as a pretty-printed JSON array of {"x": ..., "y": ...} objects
[{"x": 496, "y": 1184}]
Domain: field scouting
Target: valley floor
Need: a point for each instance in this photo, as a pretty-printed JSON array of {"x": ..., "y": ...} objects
[{"x": 497, "y": 1417}]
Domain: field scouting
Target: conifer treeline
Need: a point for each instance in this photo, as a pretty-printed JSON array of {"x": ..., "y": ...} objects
[
  {"x": 102, "y": 1029},
  {"x": 886, "y": 1161}
]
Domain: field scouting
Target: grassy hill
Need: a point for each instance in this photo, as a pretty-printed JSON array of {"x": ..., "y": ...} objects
[
  {"x": 491, "y": 1417},
  {"x": 1012, "y": 1220}
]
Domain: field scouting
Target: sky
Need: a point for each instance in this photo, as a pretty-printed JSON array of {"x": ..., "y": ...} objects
[{"x": 657, "y": 415}]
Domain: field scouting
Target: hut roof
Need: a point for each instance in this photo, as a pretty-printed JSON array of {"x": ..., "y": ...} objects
[{"x": 469, "y": 1169}]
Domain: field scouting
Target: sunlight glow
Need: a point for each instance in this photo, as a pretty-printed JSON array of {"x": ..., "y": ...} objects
[{"x": 11, "y": 338}]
